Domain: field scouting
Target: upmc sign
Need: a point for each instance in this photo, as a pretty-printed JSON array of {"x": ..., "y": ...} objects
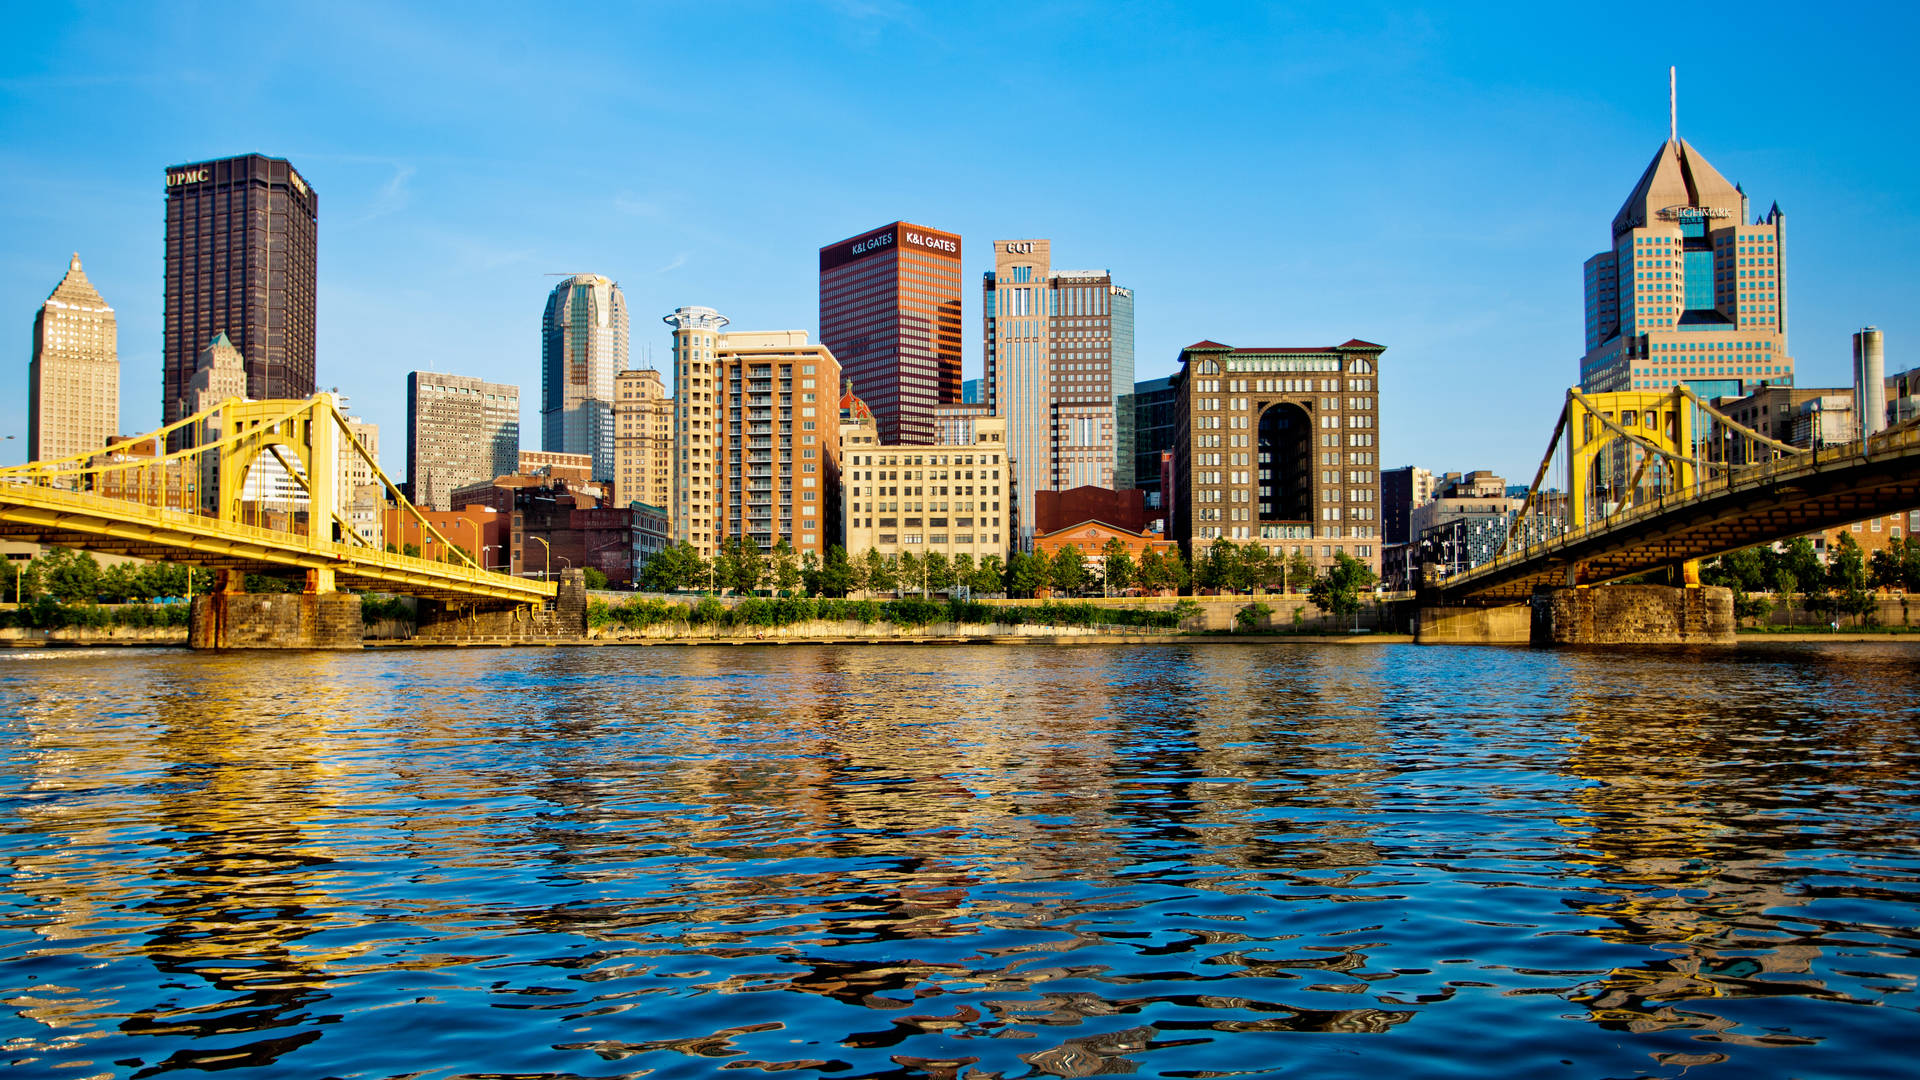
[{"x": 898, "y": 234}]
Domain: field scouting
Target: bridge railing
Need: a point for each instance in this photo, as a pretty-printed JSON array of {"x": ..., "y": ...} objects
[
  {"x": 208, "y": 528},
  {"x": 1756, "y": 474}
]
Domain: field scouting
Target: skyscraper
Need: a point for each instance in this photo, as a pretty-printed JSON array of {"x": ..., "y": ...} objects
[
  {"x": 890, "y": 311},
  {"x": 73, "y": 379},
  {"x": 583, "y": 342},
  {"x": 240, "y": 260},
  {"x": 643, "y": 446},
  {"x": 1059, "y": 351},
  {"x": 1688, "y": 292},
  {"x": 460, "y": 431}
]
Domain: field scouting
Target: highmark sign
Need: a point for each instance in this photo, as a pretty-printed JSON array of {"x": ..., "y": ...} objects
[{"x": 1693, "y": 213}]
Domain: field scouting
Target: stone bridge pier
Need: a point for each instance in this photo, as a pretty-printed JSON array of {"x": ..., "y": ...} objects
[
  {"x": 235, "y": 619},
  {"x": 1633, "y": 615}
]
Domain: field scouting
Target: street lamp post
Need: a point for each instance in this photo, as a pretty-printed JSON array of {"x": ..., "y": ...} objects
[
  {"x": 475, "y": 526},
  {"x": 484, "y": 548},
  {"x": 546, "y": 568}
]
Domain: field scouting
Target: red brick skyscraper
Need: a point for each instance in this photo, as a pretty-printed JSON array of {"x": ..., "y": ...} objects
[{"x": 890, "y": 311}]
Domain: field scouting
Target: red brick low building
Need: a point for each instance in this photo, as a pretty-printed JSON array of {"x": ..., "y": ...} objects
[{"x": 1056, "y": 510}]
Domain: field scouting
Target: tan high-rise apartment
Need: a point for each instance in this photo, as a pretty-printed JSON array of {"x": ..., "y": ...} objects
[
  {"x": 756, "y": 436},
  {"x": 643, "y": 439},
  {"x": 949, "y": 498},
  {"x": 1059, "y": 353},
  {"x": 696, "y": 340},
  {"x": 73, "y": 380}
]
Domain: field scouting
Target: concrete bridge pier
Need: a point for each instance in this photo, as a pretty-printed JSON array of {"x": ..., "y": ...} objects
[
  {"x": 1491, "y": 624},
  {"x": 232, "y": 618},
  {"x": 1633, "y": 615}
]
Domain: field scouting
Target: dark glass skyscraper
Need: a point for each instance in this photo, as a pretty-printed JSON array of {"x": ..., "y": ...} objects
[
  {"x": 241, "y": 259},
  {"x": 890, "y": 312}
]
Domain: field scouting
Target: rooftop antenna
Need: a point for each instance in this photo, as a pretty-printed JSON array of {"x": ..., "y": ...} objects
[{"x": 1673, "y": 107}]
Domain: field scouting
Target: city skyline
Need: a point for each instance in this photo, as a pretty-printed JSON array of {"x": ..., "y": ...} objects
[{"x": 1255, "y": 252}]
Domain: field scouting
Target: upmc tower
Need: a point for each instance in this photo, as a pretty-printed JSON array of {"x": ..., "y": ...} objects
[
  {"x": 241, "y": 238},
  {"x": 890, "y": 313}
]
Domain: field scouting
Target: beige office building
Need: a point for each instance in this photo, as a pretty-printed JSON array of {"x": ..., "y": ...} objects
[
  {"x": 953, "y": 499},
  {"x": 756, "y": 436},
  {"x": 1059, "y": 363},
  {"x": 642, "y": 439},
  {"x": 73, "y": 379},
  {"x": 460, "y": 431}
]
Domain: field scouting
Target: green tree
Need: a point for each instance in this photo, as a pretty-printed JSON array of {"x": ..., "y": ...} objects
[
  {"x": 1299, "y": 571},
  {"x": 71, "y": 577},
  {"x": 990, "y": 575},
  {"x": 595, "y": 577},
  {"x": 963, "y": 571},
  {"x": 119, "y": 584},
  {"x": 1068, "y": 570},
  {"x": 881, "y": 572},
  {"x": 836, "y": 574},
  {"x": 909, "y": 573},
  {"x": 1117, "y": 568},
  {"x": 1214, "y": 568},
  {"x": 1847, "y": 578},
  {"x": 937, "y": 570},
  {"x": 786, "y": 567},
  {"x": 1027, "y": 574},
  {"x": 1179, "y": 578},
  {"x": 719, "y": 568},
  {"x": 857, "y": 570},
  {"x": 810, "y": 571},
  {"x": 1883, "y": 569},
  {"x": 1910, "y": 563},
  {"x": 749, "y": 566},
  {"x": 1340, "y": 590},
  {"x": 1151, "y": 574},
  {"x": 1251, "y": 569}
]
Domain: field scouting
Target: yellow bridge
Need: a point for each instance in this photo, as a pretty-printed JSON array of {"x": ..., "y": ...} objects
[
  {"x": 184, "y": 499},
  {"x": 1658, "y": 480}
]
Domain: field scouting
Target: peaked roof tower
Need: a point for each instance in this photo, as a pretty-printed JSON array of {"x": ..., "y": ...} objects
[{"x": 1678, "y": 176}]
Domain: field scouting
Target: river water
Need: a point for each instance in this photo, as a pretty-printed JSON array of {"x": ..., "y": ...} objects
[{"x": 926, "y": 862}]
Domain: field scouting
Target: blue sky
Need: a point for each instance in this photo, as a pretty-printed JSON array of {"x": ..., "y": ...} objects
[{"x": 1260, "y": 175}]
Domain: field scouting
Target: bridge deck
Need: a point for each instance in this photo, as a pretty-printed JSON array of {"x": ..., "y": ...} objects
[
  {"x": 89, "y": 522},
  {"x": 1759, "y": 504}
]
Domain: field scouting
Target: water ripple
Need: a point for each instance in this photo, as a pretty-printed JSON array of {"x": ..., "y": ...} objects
[{"x": 966, "y": 862}]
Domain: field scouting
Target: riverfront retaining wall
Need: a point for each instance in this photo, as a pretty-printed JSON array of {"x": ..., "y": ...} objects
[{"x": 453, "y": 622}]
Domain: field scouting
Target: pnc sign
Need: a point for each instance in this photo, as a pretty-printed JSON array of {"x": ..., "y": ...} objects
[{"x": 188, "y": 176}]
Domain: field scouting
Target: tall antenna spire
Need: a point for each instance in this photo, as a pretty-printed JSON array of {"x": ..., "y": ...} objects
[{"x": 1673, "y": 107}]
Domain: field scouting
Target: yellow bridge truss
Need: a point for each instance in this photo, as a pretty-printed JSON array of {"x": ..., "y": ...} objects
[
  {"x": 185, "y": 501},
  {"x": 1661, "y": 479}
]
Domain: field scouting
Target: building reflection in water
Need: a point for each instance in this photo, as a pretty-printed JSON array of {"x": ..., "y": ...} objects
[
  {"x": 1691, "y": 798},
  {"x": 925, "y": 862}
]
